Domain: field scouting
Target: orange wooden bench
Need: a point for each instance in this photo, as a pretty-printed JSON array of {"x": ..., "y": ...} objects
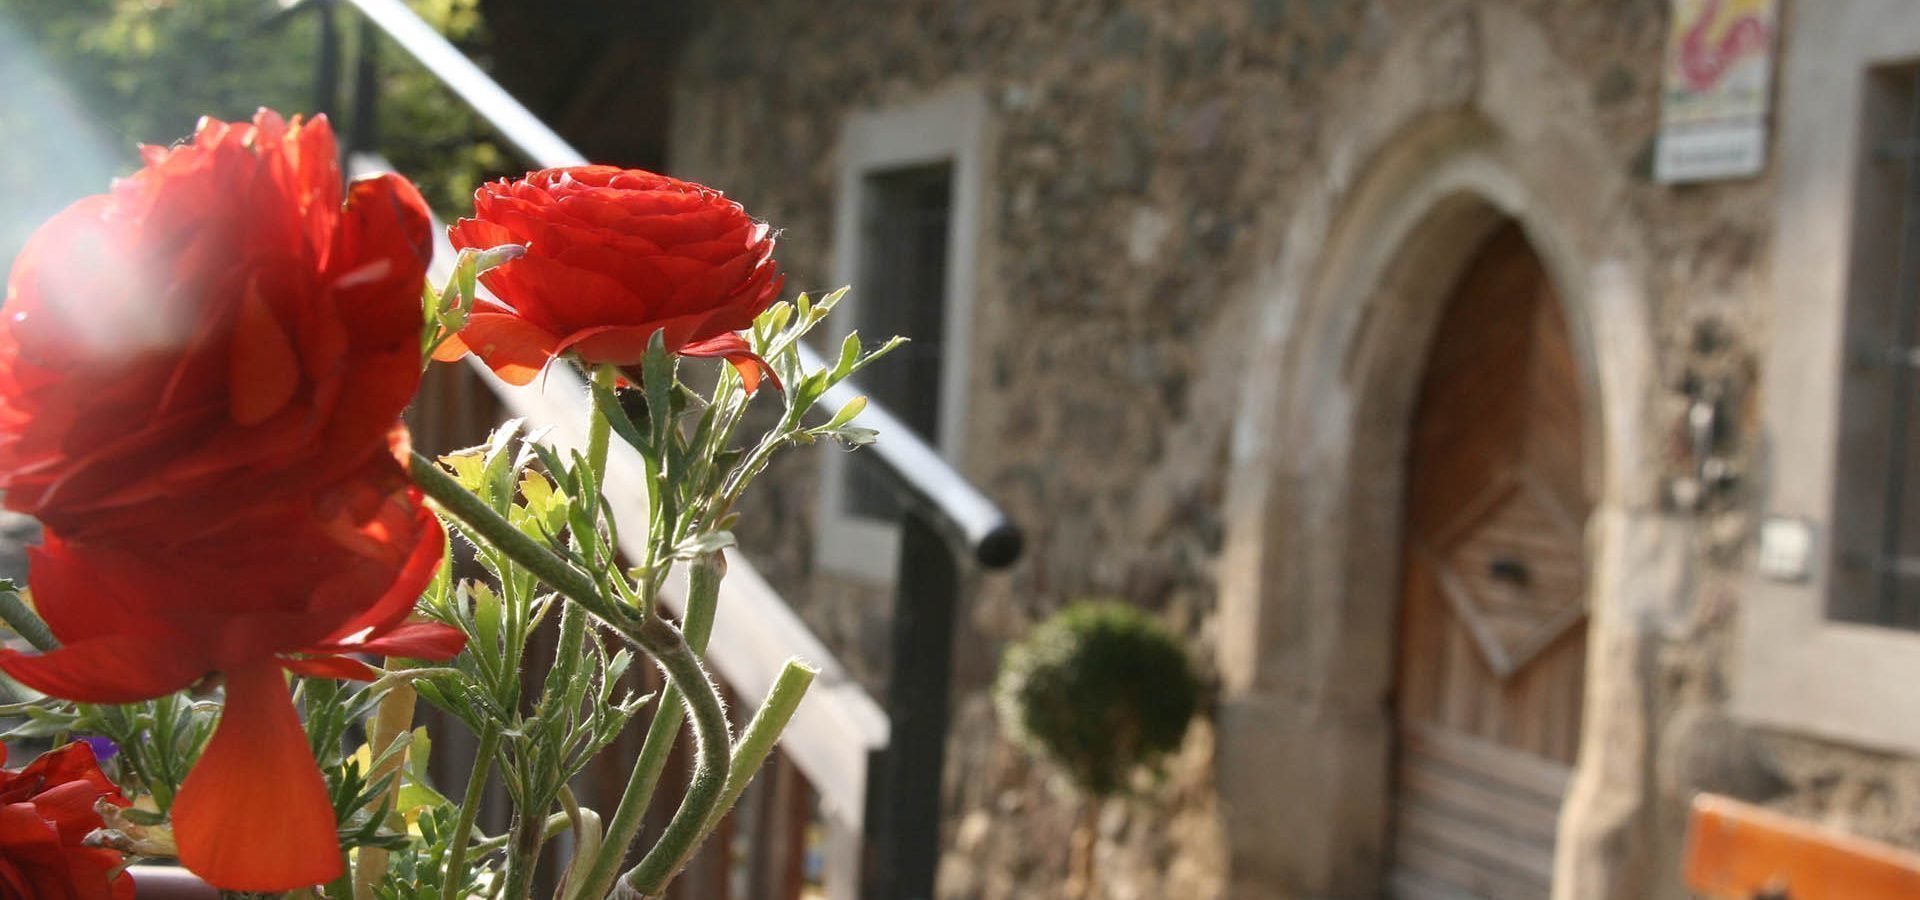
[{"x": 1737, "y": 851}]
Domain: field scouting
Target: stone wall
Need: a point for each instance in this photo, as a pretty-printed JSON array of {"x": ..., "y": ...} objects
[{"x": 1148, "y": 165}]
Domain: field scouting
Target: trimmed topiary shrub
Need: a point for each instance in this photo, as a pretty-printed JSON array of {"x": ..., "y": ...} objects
[{"x": 1099, "y": 689}]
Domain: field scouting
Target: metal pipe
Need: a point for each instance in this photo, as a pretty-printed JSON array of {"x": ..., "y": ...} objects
[
  {"x": 510, "y": 117},
  {"x": 962, "y": 513}
]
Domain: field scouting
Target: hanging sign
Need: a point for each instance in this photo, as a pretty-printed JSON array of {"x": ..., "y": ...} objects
[{"x": 1716, "y": 89}]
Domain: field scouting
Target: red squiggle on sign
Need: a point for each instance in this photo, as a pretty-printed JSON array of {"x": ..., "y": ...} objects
[{"x": 1702, "y": 64}]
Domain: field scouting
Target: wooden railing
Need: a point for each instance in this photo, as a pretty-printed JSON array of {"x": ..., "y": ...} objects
[{"x": 873, "y": 773}]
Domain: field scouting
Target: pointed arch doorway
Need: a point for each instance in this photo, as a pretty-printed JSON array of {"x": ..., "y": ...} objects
[{"x": 1491, "y": 653}]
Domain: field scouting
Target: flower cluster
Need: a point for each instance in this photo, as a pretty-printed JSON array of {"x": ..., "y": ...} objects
[
  {"x": 46, "y": 811},
  {"x": 201, "y": 379}
]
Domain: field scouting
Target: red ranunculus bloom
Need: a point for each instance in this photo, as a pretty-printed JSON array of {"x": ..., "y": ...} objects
[
  {"x": 201, "y": 375},
  {"x": 46, "y": 809},
  {"x": 218, "y": 325},
  {"x": 614, "y": 255}
]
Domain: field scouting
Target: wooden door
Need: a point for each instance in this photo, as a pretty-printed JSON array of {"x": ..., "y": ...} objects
[{"x": 1493, "y": 636}]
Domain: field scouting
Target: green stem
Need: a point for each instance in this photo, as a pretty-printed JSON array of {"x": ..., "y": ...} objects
[
  {"x": 524, "y": 839},
  {"x": 703, "y": 594},
  {"x": 24, "y": 623},
  {"x": 456, "y": 875},
  {"x": 708, "y": 783},
  {"x": 501, "y": 535},
  {"x": 756, "y": 742},
  {"x": 556, "y": 824},
  {"x": 599, "y": 430}
]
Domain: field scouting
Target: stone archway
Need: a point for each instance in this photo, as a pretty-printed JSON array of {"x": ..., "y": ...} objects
[{"x": 1309, "y": 581}]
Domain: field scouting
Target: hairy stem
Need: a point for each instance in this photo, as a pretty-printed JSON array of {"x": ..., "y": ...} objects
[
  {"x": 712, "y": 746},
  {"x": 469, "y": 807},
  {"x": 756, "y": 741},
  {"x": 524, "y": 839},
  {"x": 703, "y": 593}
]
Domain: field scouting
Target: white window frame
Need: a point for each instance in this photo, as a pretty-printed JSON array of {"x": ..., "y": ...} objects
[
  {"x": 944, "y": 127},
  {"x": 1797, "y": 669}
]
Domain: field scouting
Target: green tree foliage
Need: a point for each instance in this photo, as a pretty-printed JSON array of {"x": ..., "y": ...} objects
[
  {"x": 1099, "y": 689},
  {"x": 90, "y": 80}
]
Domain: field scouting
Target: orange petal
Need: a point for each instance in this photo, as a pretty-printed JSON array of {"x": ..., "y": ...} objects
[
  {"x": 264, "y": 370},
  {"x": 254, "y": 814},
  {"x": 343, "y": 668},
  {"x": 515, "y": 349},
  {"x": 417, "y": 640},
  {"x": 450, "y": 350}
]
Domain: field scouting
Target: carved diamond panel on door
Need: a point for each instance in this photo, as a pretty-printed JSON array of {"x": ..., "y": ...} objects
[{"x": 1512, "y": 569}]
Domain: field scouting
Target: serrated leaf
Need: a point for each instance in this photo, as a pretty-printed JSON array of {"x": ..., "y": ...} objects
[{"x": 468, "y": 466}]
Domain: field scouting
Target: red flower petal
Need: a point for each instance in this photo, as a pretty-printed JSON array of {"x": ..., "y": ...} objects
[
  {"x": 254, "y": 815},
  {"x": 73, "y": 763},
  {"x": 417, "y": 640},
  {"x": 734, "y": 349},
  {"x": 343, "y": 668},
  {"x": 116, "y": 668},
  {"x": 421, "y": 534},
  {"x": 265, "y": 369}
]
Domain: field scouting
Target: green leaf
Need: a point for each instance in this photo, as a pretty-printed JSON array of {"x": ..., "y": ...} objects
[
  {"x": 831, "y": 300},
  {"x": 853, "y": 408},
  {"x": 497, "y": 488},
  {"x": 700, "y": 545},
  {"x": 486, "y": 614},
  {"x": 656, "y": 375},
  {"x": 468, "y": 466},
  {"x": 856, "y": 436},
  {"x": 886, "y": 348},
  {"x": 415, "y": 796},
  {"x": 608, "y": 403},
  {"x": 849, "y": 354}
]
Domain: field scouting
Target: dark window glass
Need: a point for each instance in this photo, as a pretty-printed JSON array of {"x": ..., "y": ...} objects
[
  {"x": 902, "y": 291},
  {"x": 1877, "y": 491}
]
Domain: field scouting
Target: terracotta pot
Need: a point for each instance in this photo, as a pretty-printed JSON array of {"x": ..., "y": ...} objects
[{"x": 169, "y": 883}]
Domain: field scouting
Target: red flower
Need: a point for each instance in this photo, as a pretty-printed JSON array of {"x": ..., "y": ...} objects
[
  {"x": 614, "y": 255},
  {"x": 46, "y": 809},
  {"x": 217, "y": 326},
  {"x": 201, "y": 375}
]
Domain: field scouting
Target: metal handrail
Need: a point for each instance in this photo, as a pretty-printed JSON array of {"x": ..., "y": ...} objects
[{"x": 925, "y": 478}]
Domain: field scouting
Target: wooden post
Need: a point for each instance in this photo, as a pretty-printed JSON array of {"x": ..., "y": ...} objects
[{"x": 903, "y": 799}]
